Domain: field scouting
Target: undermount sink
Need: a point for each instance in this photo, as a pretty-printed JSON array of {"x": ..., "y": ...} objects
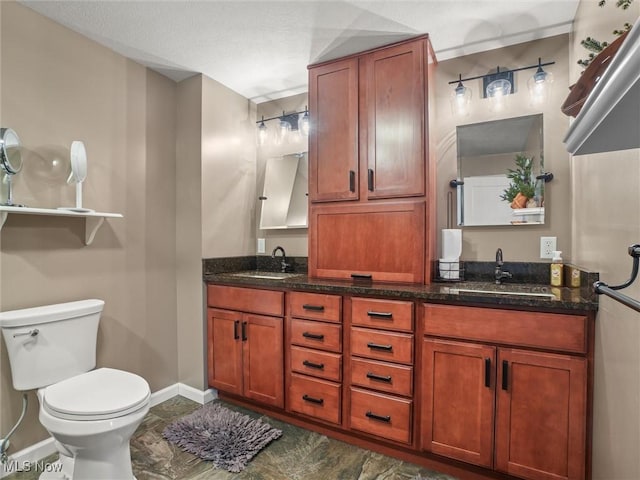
[
  {"x": 266, "y": 275},
  {"x": 503, "y": 292}
]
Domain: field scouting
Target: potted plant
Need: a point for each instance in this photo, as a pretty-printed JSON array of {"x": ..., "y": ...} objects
[{"x": 522, "y": 188}]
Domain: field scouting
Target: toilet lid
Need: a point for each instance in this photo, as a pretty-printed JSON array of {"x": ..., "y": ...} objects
[{"x": 97, "y": 395}]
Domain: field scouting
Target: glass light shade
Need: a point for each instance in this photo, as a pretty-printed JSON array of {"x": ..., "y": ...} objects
[
  {"x": 283, "y": 132},
  {"x": 460, "y": 100},
  {"x": 497, "y": 92},
  {"x": 262, "y": 133},
  {"x": 539, "y": 86},
  {"x": 303, "y": 124}
]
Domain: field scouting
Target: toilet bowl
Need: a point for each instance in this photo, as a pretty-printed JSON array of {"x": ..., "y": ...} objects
[
  {"x": 91, "y": 414},
  {"x": 92, "y": 417}
]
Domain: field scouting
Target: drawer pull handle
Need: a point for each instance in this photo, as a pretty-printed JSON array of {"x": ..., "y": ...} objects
[
  {"x": 318, "y": 401},
  {"x": 382, "y": 418},
  {"x": 315, "y": 308},
  {"x": 314, "y": 336},
  {"x": 505, "y": 375},
  {"x": 380, "y": 378},
  {"x": 361, "y": 276},
  {"x": 487, "y": 372},
  {"x": 380, "y": 314},
  {"x": 376, "y": 346},
  {"x": 307, "y": 363},
  {"x": 235, "y": 329},
  {"x": 352, "y": 181}
]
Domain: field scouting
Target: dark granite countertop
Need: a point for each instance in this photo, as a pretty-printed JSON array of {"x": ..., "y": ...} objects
[{"x": 458, "y": 293}]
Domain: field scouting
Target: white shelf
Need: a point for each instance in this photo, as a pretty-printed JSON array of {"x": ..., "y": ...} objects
[{"x": 93, "y": 220}]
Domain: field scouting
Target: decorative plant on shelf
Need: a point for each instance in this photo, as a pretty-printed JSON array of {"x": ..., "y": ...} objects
[
  {"x": 523, "y": 183},
  {"x": 595, "y": 46}
]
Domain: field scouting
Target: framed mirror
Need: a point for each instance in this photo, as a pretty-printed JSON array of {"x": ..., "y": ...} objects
[
  {"x": 501, "y": 173},
  {"x": 10, "y": 160},
  {"x": 284, "y": 195}
]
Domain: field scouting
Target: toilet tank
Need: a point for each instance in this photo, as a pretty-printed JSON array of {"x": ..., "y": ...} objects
[{"x": 51, "y": 343}]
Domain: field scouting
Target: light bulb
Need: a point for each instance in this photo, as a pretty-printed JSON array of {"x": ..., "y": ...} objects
[
  {"x": 262, "y": 133},
  {"x": 303, "y": 125},
  {"x": 460, "y": 100}
]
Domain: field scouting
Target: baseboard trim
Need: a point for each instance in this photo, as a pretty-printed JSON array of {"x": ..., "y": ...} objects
[{"x": 34, "y": 453}]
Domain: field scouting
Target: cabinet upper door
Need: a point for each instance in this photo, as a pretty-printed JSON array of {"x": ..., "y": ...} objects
[
  {"x": 393, "y": 120},
  {"x": 541, "y": 415},
  {"x": 333, "y": 139}
]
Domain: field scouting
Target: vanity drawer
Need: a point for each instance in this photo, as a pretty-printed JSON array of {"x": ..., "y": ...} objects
[
  {"x": 316, "y": 363},
  {"x": 315, "y": 398},
  {"x": 386, "y": 377},
  {"x": 385, "y": 314},
  {"x": 315, "y": 306},
  {"x": 308, "y": 333},
  {"x": 553, "y": 331},
  {"x": 382, "y": 415},
  {"x": 254, "y": 300},
  {"x": 381, "y": 345}
]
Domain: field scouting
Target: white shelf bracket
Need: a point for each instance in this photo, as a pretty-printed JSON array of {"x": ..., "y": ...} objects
[{"x": 91, "y": 227}]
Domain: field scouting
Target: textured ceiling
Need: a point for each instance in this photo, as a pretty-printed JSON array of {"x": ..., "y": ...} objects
[{"x": 261, "y": 49}]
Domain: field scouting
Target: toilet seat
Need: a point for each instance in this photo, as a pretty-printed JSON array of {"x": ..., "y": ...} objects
[{"x": 100, "y": 394}]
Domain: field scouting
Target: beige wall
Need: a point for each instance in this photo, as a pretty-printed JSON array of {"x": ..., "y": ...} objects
[
  {"x": 188, "y": 172},
  {"x": 519, "y": 243},
  {"x": 606, "y": 220},
  {"x": 228, "y": 172},
  {"x": 294, "y": 241},
  {"x": 57, "y": 87}
]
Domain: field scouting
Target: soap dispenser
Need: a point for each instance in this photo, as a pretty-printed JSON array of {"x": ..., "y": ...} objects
[{"x": 556, "y": 269}]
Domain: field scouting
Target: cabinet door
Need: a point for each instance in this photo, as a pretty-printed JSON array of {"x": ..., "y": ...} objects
[
  {"x": 225, "y": 350},
  {"x": 333, "y": 139},
  {"x": 541, "y": 415},
  {"x": 263, "y": 360},
  {"x": 380, "y": 241},
  {"x": 458, "y": 400},
  {"x": 392, "y": 119}
]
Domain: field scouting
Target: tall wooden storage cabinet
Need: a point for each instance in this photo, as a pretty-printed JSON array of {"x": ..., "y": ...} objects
[{"x": 370, "y": 178}]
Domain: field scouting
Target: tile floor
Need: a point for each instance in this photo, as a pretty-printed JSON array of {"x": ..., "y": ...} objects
[{"x": 298, "y": 455}]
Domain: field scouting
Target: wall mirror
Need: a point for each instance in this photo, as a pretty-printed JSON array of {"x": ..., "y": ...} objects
[
  {"x": 501, "y": 174},
  {"x": 284, "y": 195}
]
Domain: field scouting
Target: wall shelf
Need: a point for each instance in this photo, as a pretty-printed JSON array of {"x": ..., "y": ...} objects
[{"x": 93, "y": 220}]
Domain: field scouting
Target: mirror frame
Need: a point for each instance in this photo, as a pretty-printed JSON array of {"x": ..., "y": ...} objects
[{"x": 7, "y": 134}]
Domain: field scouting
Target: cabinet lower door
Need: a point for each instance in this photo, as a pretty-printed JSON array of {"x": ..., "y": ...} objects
[
  {"x": 383, "y": 242},
  {"x": 225, "y": 350},
  {"x": 541, "y": 412},
  {"x": 458, "y": 400},
  {"x": 263, "y": 360}
]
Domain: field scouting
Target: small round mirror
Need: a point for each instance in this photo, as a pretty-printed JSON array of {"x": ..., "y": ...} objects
[{"x": 10, "y": 156}]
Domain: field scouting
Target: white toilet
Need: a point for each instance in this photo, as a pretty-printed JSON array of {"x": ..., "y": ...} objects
[{"x": 91, "y": 414}]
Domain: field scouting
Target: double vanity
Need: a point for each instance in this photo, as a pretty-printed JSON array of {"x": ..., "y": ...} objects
[{"x": 473, "y": 379}]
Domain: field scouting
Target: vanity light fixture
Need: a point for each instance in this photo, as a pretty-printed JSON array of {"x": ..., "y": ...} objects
[
  {"x": 287, "y": 122},
  {"x": 497, "y": 85}
]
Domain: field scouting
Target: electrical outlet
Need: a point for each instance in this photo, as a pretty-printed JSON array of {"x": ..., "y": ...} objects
[
  {"x": 261, "y": 245},
  {"x": 547, "y": 246}
]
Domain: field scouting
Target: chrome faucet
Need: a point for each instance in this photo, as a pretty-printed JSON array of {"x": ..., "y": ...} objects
[
  {"x": 500, "y": 274},
  {"x": 284, "y": 265}
]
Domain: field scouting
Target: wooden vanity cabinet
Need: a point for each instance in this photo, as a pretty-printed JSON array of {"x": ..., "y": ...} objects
[
  {"x": 244, "y": 349},
  {"x": 314, "y": 376},
  {"x": 521, "y": 410},
  {"x": 381, "y": 368},
  {"x": 369, "y": 148}
]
